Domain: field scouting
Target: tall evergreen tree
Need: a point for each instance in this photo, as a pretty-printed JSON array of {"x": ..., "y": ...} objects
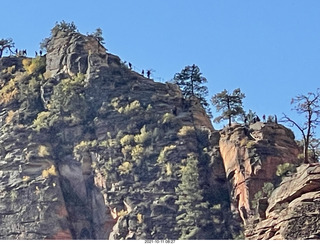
[
  {"x": 191, "y": 82},
  {"x": 230, "y": 104},
  {"x": 193, "y": 213},
  {"x": 98, "y": 36}
]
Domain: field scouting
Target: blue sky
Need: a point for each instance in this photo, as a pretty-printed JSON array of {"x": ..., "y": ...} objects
[{"x": 268, "y": 48}]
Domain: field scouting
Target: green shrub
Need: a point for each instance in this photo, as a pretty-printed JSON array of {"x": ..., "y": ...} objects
[
  {"x": 43, "y": 151},
  {"x": 125, "y": 168},
  {"x": 167, "y": 118},
  {"x": 85, "y": 145},
  {"x": 42, "y": 121},
  {"x": 285, "y": 169},
  {"x": 168, "y": 169},
  {"x": 131, "y": 107},
  {"x": 186, "y": 130},
  {"x": 162, "y": 158},
  {"x": 137, "y": 152},
  {"x": 35, "y": 66},
  {"x": 144, "y": 137},
  {"x": 127, "y": 140},
  {"x": 250, "y": 144},
  {"x": 265, "y": 192},
  {"x": 8, "y": 92}
]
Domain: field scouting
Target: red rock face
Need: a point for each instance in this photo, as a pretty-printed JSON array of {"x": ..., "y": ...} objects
[
  {"x": 62, "y": 235},
  {"x": 251, "y": 156},
  {"x": 293, "y": 211}
]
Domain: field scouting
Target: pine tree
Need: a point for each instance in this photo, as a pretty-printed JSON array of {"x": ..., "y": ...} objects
[
  {"x": 230, "y": 104},
  {"x": 98, "y": 36},
  {"x": 193, "y": 213},
  {"x": 190, "y": 81}
]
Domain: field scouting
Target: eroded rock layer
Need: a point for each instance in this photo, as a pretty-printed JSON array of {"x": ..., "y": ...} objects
[{"x": 93, "y": 150}]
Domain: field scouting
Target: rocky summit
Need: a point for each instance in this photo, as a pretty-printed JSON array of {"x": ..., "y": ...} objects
[{"x": 90, "y": 149}]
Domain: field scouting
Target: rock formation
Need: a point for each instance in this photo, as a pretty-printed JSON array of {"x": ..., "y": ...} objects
[
  {"x": 90, "y": 149},
  {"x": 293, "y": 211},
  {"x": 251, "y": 155}
]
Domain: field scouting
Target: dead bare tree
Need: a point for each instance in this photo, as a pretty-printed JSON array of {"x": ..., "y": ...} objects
[{"x": 308, "y": 105}]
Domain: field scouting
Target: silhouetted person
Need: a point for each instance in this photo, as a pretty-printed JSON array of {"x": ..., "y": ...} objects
[
  {"x": 258, "y": 119},
  {"x": 275, "y": 119},
  {"x": 16, "y": 51},
  {"x": 264, "y": 118},
  {"x": 36, "y": 53},
  {"x": 24, "y": 52},
  {"x": 40, "y": 52},
  {"x": 142, "y": 72},
  {"x": 130, "y": 65},
  {"x": 148, "y": 74}
]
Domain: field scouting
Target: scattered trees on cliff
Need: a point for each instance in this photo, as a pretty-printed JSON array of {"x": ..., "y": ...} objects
[
  {"x": 229, "y": 104},
  {"x": 60, "y": 26},
  {"x": 308, "y": 105},
  {"x": 193, "y": 213},
  {"x": 65, "y": 27},
  {"x": 98, "y": 36},
  {"x": 6, "y": 44},
  {"x": 190, "y": 81}
]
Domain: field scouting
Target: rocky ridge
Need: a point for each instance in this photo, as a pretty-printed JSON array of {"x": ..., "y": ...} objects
[
  {"x": 93, "y": 150},
  {"x": 90, "y": 149}
]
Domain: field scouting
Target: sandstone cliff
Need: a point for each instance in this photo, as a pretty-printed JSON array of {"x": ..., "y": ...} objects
[
  {"x": 90, "y": 149},
  {"x": 293, "y": 209}
]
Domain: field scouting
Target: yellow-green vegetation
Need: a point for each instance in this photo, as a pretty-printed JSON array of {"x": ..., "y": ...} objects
[
  {"x": 25, "y": 178},
  {"x": 42, "y": 121},
  {"x": 285, "y": 169},
  {"x": 143, "y": 137},
  {"x": 250, "y": 144},
  {"x": 125, "y": 168},
  {"x": 86, "y": 145},
  {"x": 115, "y": 102},
  {"x": 131, "y": 107},
  {"x": 168, "y": 169},
  {"x": 9, "y": 117},
  {"x": 50, "y": 171},
  {"x": 186, "y": 130},
  {"x": 216, "y": 206},
  {"x": 140, "y": 218},
  {"x": 137, "y": 152},
  {"x": 243, "y": 142},
  {"x": 8, "y": 92},
  {"x": 122, "y": 213},
  {"x": 162, "y": 158},
  {"x": 34, "y": 65},
  {"x": 265, "y": 192},
  {"x": 67, "y": 99},
  {"x": 43, "y": 151},
  {"x": 75, "y": 82},
  {"x": 127, "y": 140},
  {"x": 10, "y": 70},
  {"x": 149, "y": 108},
  {"x": 167, "y": 118},
  {"x": 13, "y": 195}
]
